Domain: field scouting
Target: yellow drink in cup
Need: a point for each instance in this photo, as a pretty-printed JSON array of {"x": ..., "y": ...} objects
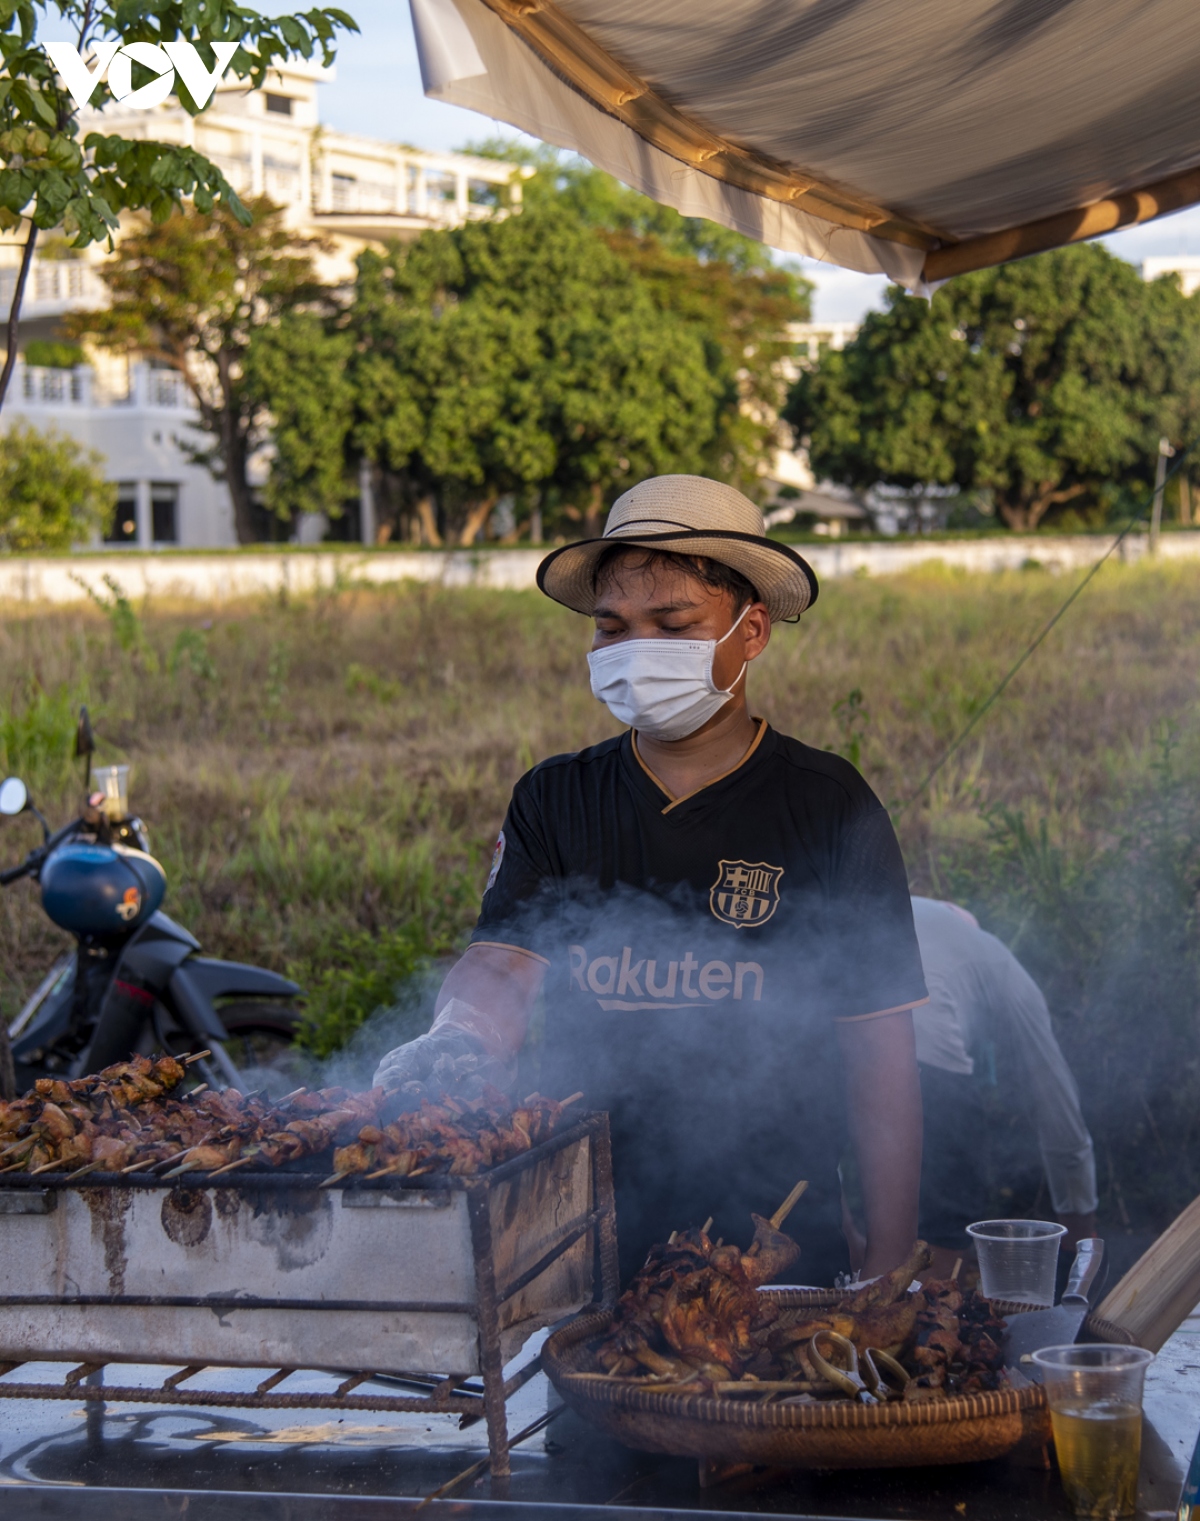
[
  {"x": 1095, "y": 1398},
  {"x": 1099, "y": 1448}
]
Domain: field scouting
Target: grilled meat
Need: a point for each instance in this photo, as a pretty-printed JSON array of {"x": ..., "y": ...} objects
[
  {"x": 695, "y": 1308},
  {"x": 692, "y": 1318},
  {"x": 459, "y": 1136},
  {"x": 126, "y": 1117}
]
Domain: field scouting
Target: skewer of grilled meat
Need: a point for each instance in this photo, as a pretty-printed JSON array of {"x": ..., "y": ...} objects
[
  {"x": 126, "y": 1119},
  {"x": 57, "y": 1117},
  {"x": 459, "y": 1136}
]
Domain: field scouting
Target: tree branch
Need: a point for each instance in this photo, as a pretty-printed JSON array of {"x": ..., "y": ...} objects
[
  {"x": 1042, "y": 504},
  {"x": 83, "y": 27},
  {"x": 14, "y": 312}
]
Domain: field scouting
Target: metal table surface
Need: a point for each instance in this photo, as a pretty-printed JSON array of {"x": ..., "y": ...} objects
[{"x": 61, "y": 1462}]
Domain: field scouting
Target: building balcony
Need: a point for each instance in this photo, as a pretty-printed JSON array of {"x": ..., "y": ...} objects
[
  {"x": 39, "y": 389},
  {"x": 54, "y": 287}
]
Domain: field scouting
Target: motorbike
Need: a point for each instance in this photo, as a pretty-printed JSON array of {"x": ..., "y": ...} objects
[{"x": 136, "y": 980}]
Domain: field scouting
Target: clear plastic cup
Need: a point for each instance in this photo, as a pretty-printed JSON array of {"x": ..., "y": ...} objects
[
  {"x": 113, "y": 783},
  {"x": 1018, "y": 1259},
  {"x": 1095, "y": 1397}
]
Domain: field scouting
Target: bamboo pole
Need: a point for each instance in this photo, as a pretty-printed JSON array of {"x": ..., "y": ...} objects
[
  {"x": 1161, "y": 1289},
  {"x": 1065, "y": 227}
]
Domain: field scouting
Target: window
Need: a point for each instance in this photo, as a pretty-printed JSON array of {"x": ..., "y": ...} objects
[
  {"x": 280, "y": 105},
  {"x": 124, "y": 526},
  {"x": 164, "y": 513},
  {"x": 345, "y": 188}
]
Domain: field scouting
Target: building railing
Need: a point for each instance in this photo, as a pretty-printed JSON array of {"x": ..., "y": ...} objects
[
  {"x": 38, "y": 387},
  {"x": 53, "y": 286},
  {"x": 41, "y": 386}
]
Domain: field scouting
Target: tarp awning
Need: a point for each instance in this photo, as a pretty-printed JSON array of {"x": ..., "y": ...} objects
[{"x": 906, "y": 137}]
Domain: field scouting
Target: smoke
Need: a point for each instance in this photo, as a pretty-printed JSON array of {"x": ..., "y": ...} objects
[
  {"x": 1103, "y": 911},
  {"x": 702, "y": 1021},
  {"x": 409, "y": 1015}
]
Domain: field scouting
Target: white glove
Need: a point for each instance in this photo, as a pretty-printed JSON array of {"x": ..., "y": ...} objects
[{"x": 445, "y": 1060}]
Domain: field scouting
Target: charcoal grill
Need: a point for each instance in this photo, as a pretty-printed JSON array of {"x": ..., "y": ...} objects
[{"x": 436, "y": 1281}]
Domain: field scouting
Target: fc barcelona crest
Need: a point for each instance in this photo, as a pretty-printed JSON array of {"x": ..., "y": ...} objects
[{"x": 745, "y": 893}]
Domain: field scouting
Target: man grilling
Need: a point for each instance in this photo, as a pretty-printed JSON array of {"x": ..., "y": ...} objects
[{"x": 718, "y": 915}]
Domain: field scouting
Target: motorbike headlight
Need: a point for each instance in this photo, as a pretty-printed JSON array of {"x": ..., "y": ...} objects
[{"x": 113, "y": 783}]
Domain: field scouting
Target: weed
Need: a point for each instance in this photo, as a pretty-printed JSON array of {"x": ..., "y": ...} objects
[
  {"x": 123, "y": 621},
  {"x": 190, "y": 651},
  {"x": 851, "y": 716},
  {"x": 37, "y": 734}
]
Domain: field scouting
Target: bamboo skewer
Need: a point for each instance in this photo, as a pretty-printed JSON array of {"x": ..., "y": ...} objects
[
  {"x": 788, "y": 1204},
  {"x": 81, "y": 1172},
  {"x": 177, "y": 1172},
  {"x": 229, "y": 1166},
  {"x": 47, "y": 1166},
  {"x": 166, "y": 1161},
  {"x": 197, "y": 1056}
]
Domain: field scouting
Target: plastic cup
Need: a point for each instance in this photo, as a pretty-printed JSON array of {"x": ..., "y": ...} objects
[
  {"x": 113, "y": 782},
  {"x": 1095, "y": 1397},
  {"x": 1018, "y": 1259}
]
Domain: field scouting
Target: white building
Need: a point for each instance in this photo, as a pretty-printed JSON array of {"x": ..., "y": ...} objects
[
  {"x": 1187, "y": 268},
  {"x": 352, "y": 190}
]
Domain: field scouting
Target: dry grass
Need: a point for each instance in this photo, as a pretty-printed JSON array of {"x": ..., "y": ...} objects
[{"x": 324, "y": 780}]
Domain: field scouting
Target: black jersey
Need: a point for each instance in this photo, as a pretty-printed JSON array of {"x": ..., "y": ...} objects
[{"x": 700, "y": 951}]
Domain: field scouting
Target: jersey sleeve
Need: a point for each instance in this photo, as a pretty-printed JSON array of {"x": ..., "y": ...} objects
[
  {"x": 871, "y": 963},
  {"x": 519, "y": 901}
]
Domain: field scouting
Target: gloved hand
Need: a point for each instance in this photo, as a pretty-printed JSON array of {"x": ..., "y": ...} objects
[{"x": 445, "y": 1060}]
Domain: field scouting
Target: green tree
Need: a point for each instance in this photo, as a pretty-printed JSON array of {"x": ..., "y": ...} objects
[
  {"x": 52, "y": 493},
  {"x": 195, "y": 293},
  {"x": 740, "y": 313},
  {"x": 49, "y": 179},
  {"x": 731, "y": 290},
  {"x": 296, "y": 381},
  {"x": 1044, "y": 382},
  {"x": 522, "y": 353},
  {"x": 569, "y": 186}
]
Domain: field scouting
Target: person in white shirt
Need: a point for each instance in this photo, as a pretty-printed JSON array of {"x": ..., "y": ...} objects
[
  {"x": 980, "y": 992},
  {"x": 981, "y": 996}
]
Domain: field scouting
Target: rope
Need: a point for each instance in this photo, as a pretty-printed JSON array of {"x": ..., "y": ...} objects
[{"x": 956, "y": 744}]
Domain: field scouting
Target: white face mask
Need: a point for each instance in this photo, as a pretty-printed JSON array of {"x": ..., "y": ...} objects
[{"x": 663, "y": 688}]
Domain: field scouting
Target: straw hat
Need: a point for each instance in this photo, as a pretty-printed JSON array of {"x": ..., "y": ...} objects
[{"x": 690, "y": 515}]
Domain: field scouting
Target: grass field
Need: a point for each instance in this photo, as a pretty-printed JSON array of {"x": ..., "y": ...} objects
[{"x": 324, "y": 780}]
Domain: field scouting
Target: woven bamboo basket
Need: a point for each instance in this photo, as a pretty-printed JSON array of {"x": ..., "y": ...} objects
[{"x": 832, "y": 1434}]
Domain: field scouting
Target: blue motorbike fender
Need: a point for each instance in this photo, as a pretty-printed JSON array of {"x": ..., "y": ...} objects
[{"x": 233, "y": 979}]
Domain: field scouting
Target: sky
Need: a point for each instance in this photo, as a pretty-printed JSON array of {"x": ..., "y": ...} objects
[{"x": 377, "y": 92}]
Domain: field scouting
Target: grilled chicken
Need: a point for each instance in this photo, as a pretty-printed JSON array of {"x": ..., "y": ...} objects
[{"x": 692, "y": 1317}]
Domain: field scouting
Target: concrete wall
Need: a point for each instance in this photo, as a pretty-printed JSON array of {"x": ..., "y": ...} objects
[{"x": 222, "y": 577}]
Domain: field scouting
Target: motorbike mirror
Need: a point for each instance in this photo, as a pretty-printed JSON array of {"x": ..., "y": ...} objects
[
  {"x": 85, "y": 740},
  {"x": 14, "y": 796}
]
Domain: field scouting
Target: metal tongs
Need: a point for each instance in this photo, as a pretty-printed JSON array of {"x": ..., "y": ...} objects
[{"x": 885, "y": 1379}]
